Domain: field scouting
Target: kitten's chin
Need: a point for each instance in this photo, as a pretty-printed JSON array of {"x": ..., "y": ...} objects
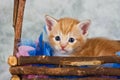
[{"x": 62, "y": 53}]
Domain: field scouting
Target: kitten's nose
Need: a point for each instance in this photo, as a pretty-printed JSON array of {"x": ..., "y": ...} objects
[{"x": 63, "y": 46}]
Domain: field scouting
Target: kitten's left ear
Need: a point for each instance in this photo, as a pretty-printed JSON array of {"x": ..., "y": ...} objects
[
  {"x": 83, "y": 26},
  {"x": 50, "y": 22}
]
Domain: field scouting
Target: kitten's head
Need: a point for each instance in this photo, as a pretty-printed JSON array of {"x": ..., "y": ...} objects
[{"x": 66, "y": 34}]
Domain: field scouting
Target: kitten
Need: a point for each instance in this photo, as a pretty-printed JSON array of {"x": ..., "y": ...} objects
[{"x": 68, "y": 37}]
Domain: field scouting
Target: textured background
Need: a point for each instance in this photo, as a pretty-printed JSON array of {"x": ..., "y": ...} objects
[{"x": 105, "y": 16}]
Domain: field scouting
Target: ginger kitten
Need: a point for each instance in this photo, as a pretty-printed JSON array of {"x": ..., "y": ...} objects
[{"x": 68, "y": 37}]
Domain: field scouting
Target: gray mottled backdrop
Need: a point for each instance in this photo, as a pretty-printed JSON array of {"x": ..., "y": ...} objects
[{"x": 105, "y": 16}]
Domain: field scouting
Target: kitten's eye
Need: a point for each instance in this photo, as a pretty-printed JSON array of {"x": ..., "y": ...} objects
[
  {"x": 71, "y": 40},
  {"x": 57, "y": 38}
]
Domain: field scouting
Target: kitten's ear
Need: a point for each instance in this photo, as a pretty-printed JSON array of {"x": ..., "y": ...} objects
[
  {"x": 83, "y": 26},
  {"x": 50, "y": 22}
]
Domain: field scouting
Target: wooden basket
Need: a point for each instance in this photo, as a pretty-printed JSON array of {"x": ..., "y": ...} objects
[{"x": 65, "y": 66}]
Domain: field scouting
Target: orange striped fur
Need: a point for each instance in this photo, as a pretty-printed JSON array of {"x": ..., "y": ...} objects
[
  {"x": 67, "y": 28},
  {"x": 98, "y": 47}
]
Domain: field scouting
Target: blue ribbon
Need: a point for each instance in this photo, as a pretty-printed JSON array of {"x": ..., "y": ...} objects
[{"x": 43, "y": 48}]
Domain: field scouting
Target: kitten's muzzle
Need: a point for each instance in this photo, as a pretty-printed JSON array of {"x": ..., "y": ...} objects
[{"x": 63, "y": 47}]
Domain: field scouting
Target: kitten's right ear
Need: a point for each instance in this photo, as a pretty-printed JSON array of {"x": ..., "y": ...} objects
[
  {"x": 83, "y": 26},
  {"x": 50, "y": 22}
]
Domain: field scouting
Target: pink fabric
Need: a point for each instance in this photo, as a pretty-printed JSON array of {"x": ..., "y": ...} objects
[
  {"x": 35, "y": 76},
  {"x": 23, "y": 50}
]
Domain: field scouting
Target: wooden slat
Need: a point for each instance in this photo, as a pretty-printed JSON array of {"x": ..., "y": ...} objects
[
  {"x": 73, "y": 61},
  {"x": 65, "y": 71}
]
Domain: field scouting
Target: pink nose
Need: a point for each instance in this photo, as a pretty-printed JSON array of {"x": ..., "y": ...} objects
[{"x": 63, "y": 46}]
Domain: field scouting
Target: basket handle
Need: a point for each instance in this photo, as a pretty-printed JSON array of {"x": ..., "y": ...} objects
[{"x": 18, "y": 13}]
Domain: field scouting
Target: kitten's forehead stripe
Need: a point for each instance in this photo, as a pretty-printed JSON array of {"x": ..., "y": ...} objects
[{"x": 67, "y": 24}]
